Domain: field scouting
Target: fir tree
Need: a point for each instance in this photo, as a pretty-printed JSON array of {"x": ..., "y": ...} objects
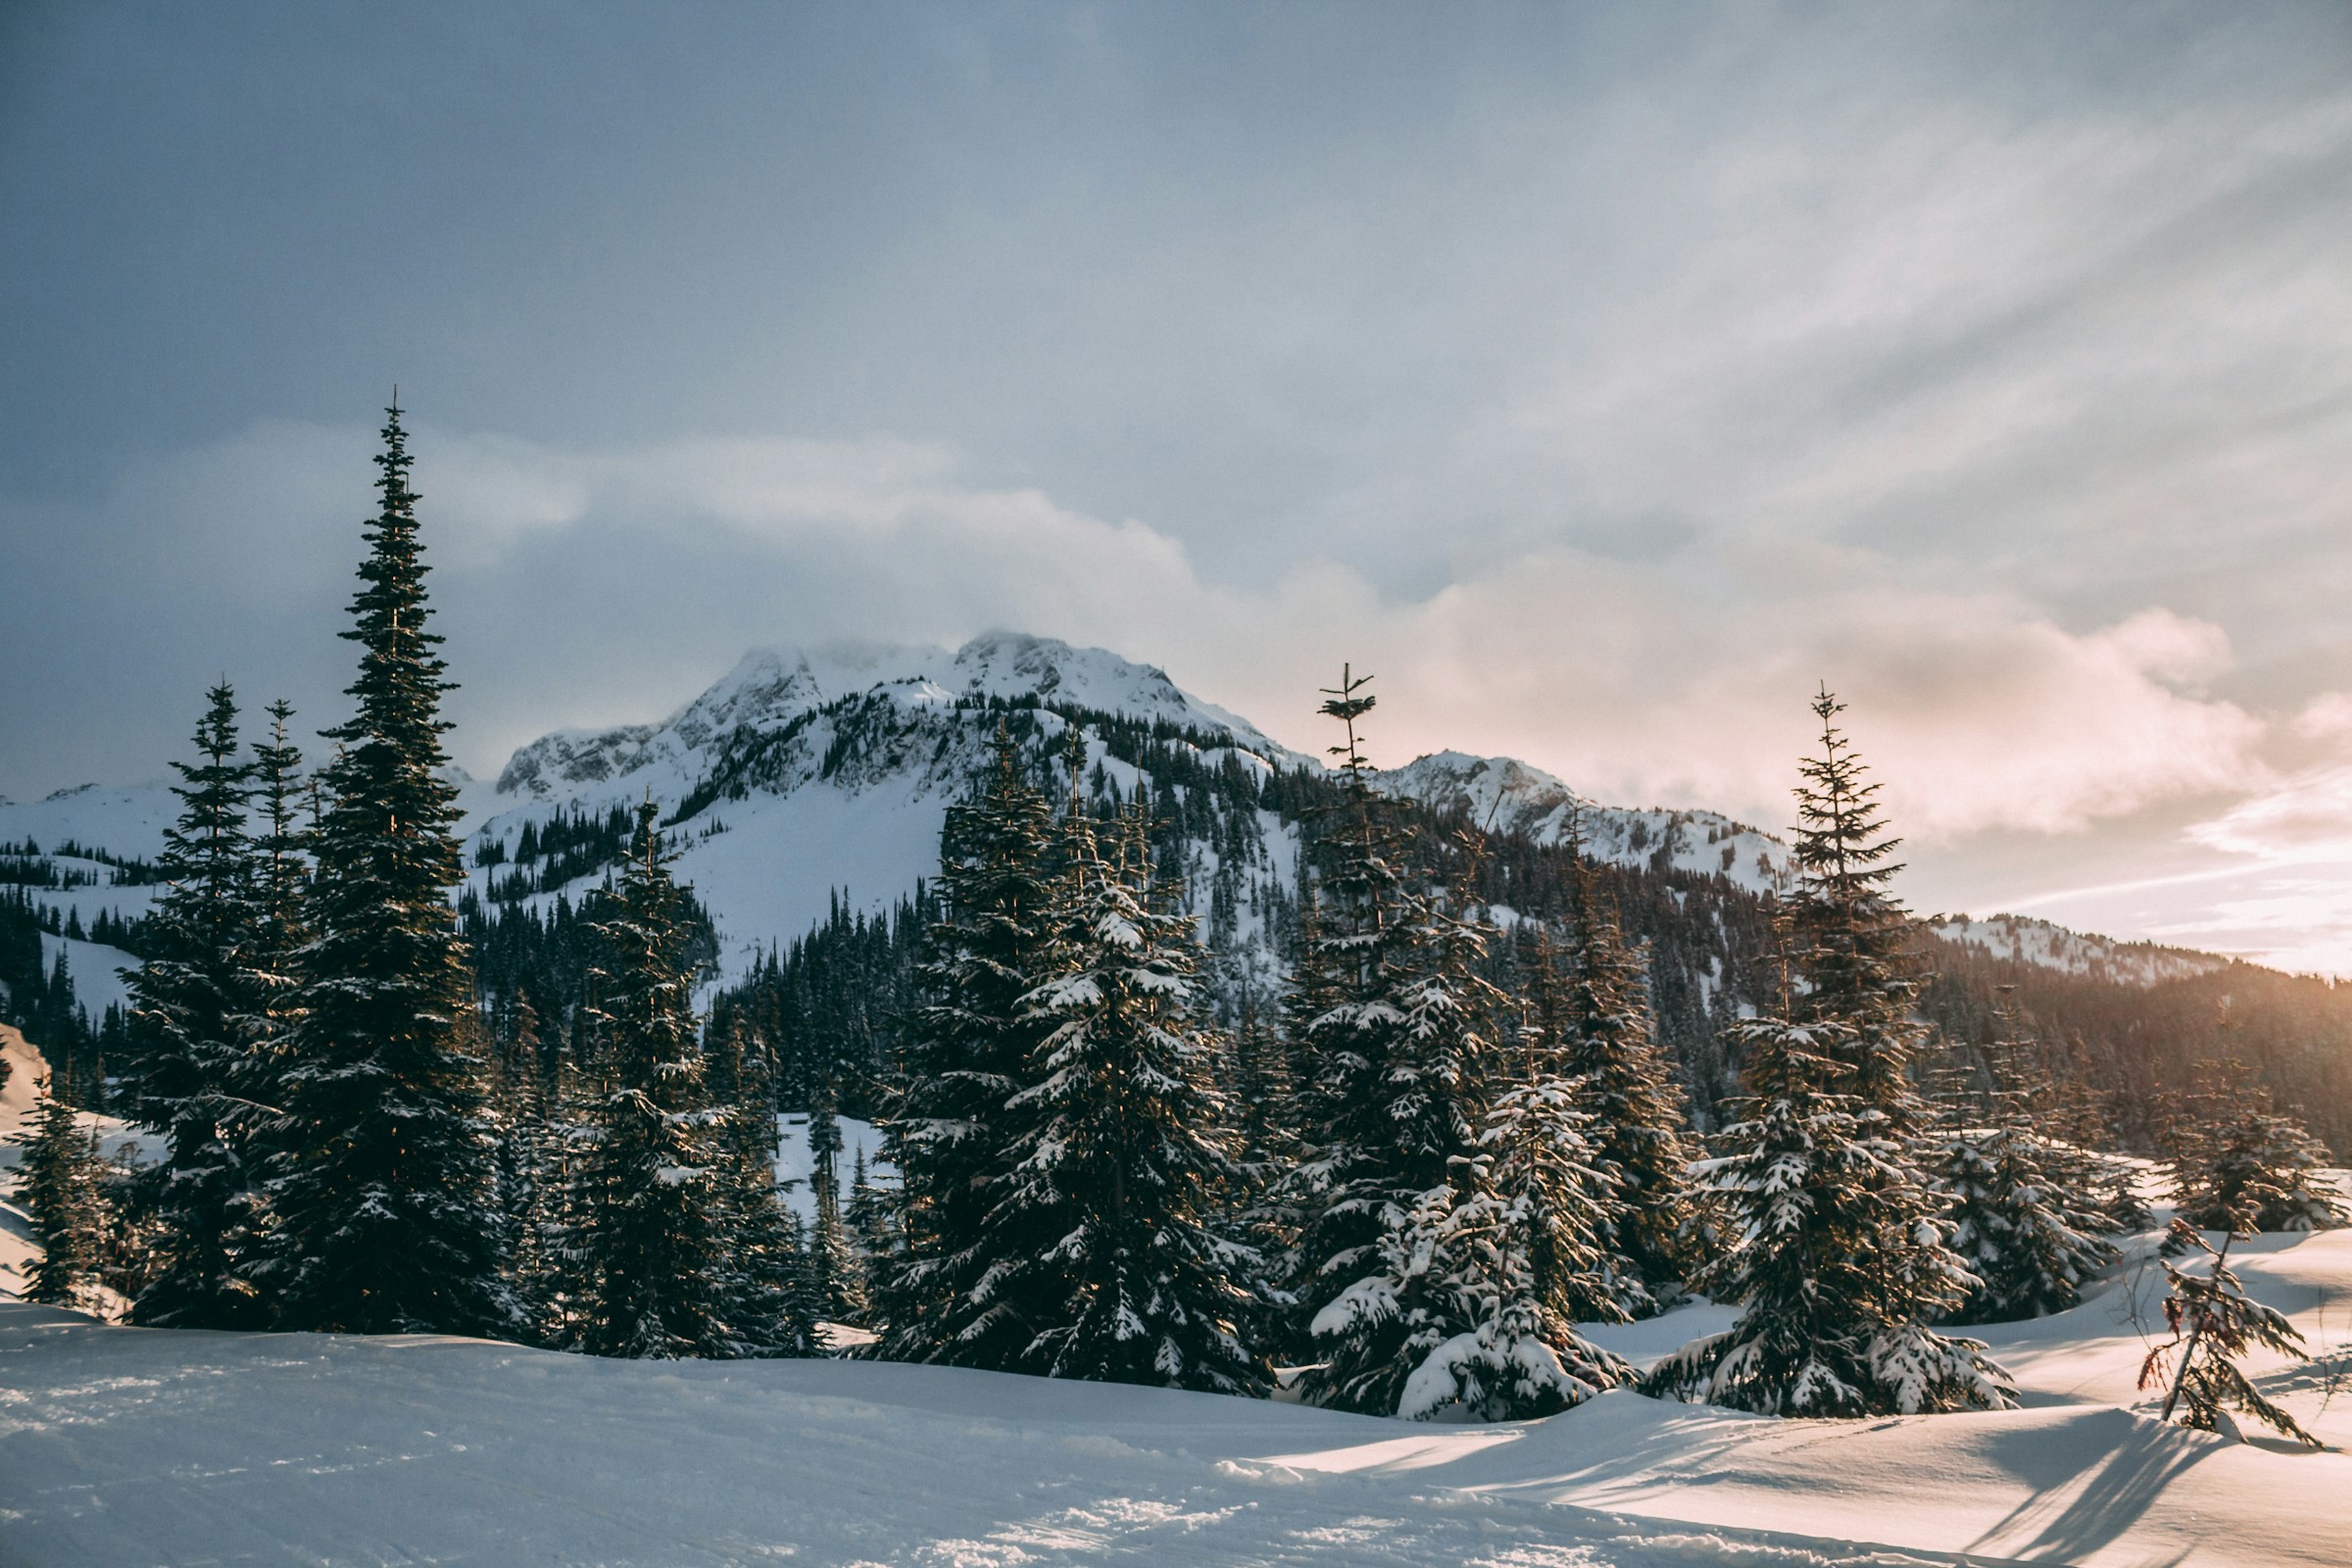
[
  {"x": 837, "y": 1278},
  {"x": 385, "y": 1200},
  {"x": 196, "y": 1005},
  {"x": 2236, "y": 1163},
  {"x": 949, "y": 1132},
  {"x": 550, "y": 1261},
  {"x": 2214, "y": 1323},
  {"x": 1638, "y": 1117},
  {"x": 1398, "y": 1058},
  {"x": 1525, "y": 1219},
  {"x": 277, "y": 934},
  {"x": 653, "y": 1213},
  {"x": 58, "y": 1185},
  {"x": 2018, "y": 1217},
  {"x": 1129, "y": 1150},
  {"x": 281, "y": 886},
  {"x": 766, "y": 1262},
  {"x": 1838, "y": 1261},
  {"x": 869, "y": 1216}
]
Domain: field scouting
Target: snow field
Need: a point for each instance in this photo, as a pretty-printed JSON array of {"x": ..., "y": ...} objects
[{"x": 121, "y": 1446}]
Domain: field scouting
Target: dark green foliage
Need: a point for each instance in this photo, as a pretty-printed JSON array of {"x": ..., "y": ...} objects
[
  {"x": 59, "y": 1186},
  {"x": 835, "y": 1004},
  {"x": 41, "y": 1000},
  {"x": 1128, "y": 1150},
  {"x": 1396, "y": 1061},
  {"x": 1640, "y": 1125},
  {"x": 873, "y": 1227},
  {"x": 651, "y": 1210},
  {"x": 2023, "y": 1214},
  {"x": 385, "y": 1195},
  {"x": 2236, "y": 1164},
  {"x": 836, "y": 1270},
  {"x": 1839, "y": 1263},
  {"x": 198, "y": 1006},
  {"x": 949, "y": 1134},
  {"x": 1523, "y": 1229},
  {"x": 767, "y": 1256}
]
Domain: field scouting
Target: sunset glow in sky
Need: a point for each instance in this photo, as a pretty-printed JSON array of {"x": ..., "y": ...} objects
[{"x": 1602, "y": 378}]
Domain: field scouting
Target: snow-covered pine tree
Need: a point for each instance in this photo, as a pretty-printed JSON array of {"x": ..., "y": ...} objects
[
  {"x": 1390, "y": 1112},
  {"x": 949, "y": 1133},
  {"x": 2235, "y": 1162},
  {"x": 2214, "y": 1323},
  {"x": 551, "y": 1260},
  {"x": 195, "y": 1004},
  {"x": 280, "y": 931},
  {"x": 2017, "y": 1215},
  {"x": 836, "y": 1273},
  {"x": 385, "y": 1201},
  {"x": 1526, "y": 1219},
  {"x": 1130, "y": 1148},
  {"x": 1838, "y": 1261},
  {"x": 518, "y": 1115},
  {"x": 281, "y": 888},
  {"x": 58, "y": 1186},
  {"x": 871, "y": 1226},
  {"x": 1639, "y": 1121},
  {"x": 766, "y": 1263},
  {"x": 653, "y": 1214}
]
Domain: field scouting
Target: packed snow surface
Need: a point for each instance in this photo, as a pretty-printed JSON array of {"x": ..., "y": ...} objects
[{"x": 124, "y": 1446}]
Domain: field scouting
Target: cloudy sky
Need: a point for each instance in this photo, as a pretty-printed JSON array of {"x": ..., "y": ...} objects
[{"x": 1601, "y": 378}]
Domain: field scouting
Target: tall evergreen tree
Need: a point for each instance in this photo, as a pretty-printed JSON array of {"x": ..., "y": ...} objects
[
  {"x": 385, "y": 1201},
  {"x": 654, "y": 1211},
  {"x": 1839, "y": 1263},
  {"x": 1130, "y": 1148},
  {"x": 836, "y": 1273},
  {"x": 281, "y": 884},
  {"x": 2020, "y": 1213},
  {"x": 1397, "y": 1060},
  {"x": 871, "y": 1226},
  {"x": 58, "y": 1186},
  {"x": 196, "y": 1002},
  {"x": 949, "y": 1133},
  {"x": 278, "y": 932},
  {"x": 2236, "y": 1163},
  {"x": 766, "y": 1268},
  {"x": 1638, "y": 1117},
  {"x": 1526, "y": 1219}
]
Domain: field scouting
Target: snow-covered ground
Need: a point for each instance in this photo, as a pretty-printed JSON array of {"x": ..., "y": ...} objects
[
  {"x": 121, "y": 1446},
  {"x": 130, "y": 1447}
]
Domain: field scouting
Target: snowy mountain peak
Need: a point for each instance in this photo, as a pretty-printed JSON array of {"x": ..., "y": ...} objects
[
  {"x": 771, "y": 688},
  {"x": 1508, "y": 796}
]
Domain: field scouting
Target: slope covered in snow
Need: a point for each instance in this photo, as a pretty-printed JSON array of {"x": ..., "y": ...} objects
[
  {"x": 128, "y": 1446},
  {"x": 2053, "y": 947},
  {"x": 806, "y": 774},
  {"x": 1508, "y": 796}
]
